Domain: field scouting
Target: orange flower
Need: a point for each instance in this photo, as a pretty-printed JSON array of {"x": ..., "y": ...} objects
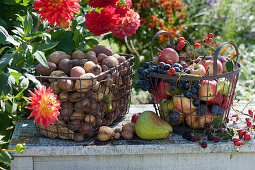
[
  {"x": 233, "y": 53},
  {"x": 55, "y": 10},
  {"x": 44, "y": 105},
  {"x": 210, "y": 51}
]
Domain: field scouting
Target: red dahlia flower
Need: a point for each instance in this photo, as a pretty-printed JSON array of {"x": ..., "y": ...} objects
[
  {"x": 123, "y": 10},
  {"x": 44, "y": 105},
  {"x": 55, "y": 10},
  {"x": 127, "y": 25},
  {"x": 102, "y": 3},
  {"x": 103, "y": 22}
]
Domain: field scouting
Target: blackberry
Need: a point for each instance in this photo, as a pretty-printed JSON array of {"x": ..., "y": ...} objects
[
  {"x": 210, "y": 137},
  {"x": 203, "y": 144},
  {"x": 187, "y": 135},
  {"x": 146, "y": 65},
  {"x": 201, "y": 110},
  {"x": 187, "y": 94},
  {"x": 195, "y": 102}
]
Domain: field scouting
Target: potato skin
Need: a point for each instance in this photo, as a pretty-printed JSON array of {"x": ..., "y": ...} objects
[
  {"x": 110, "y": 62},
  {"x": 88, "y": 65},
  {"x": 105, "y": 133},
  {"x": 65, "y": 84},
  {"x": 85, "y": 85},
  {"x": 90, "y": 53},
  {"x": 40, "y": 69},
  {"x": 129, "y": 127},
  {"x": 102, "y": 49},
  {"x": 54, "y": 87},
  {"x": 100, "y": 57},
  {"x": 77, "y": 71},
  {"x": 78, "y": 54},
  {"x": 96, "y": 70},
  {"x": 57, "y": 56},
  {"x": 127, "y": 135},
  {"x": 66, "y": 109}
]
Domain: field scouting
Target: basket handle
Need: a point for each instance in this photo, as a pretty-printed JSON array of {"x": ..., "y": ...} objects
[
  {"x": 215, "y": 57},
  {"x": 156, "y": 35}
]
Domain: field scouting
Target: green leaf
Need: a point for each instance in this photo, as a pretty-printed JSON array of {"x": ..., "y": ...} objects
[
  {"x": 91, "y": 42},
  {"x": 2, "y": 105},
  {"x": 11, "y": 40},
  {"x": 41, "y": 58},
  {"x": 33, "y": 79},
  {"x": 25, "y": 2},
  {"x": 24, "y": 82},
  {"x": 2, "y": 49},
  {"x": 230, "y": 66},
  {"x": 6, "y": 59},
  {"x": 44, "y": 47},
  {"x": 3, "y": 35},
  {"x": 5, "y": 156},
  {"x": 16, "y": 76},
  {"x": 28, "y": 24}
]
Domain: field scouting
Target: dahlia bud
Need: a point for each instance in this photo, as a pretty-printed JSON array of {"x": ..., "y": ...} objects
[{"x": 64, "y": 24}]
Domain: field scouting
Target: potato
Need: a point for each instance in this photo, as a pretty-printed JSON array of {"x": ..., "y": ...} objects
[
  {"x": 85, "y": 85},
  {"x": 54, "y": 87},
  {"x": 79, "y": 106},
  {"x": 90, "y": 53},
  {"x": 76, "y": 62},
  {"x": 66, "y": 109},
  {"x": 78, "y": 54},
  {"x": 63, "y": 96},
  {"x": 127, "y": 134},
  {"x": 57, "y": 73},
  {"x": 96, "y": 69},
  {"x": 101, "y": 94},
  {"x": 65, "y": 84},
  {"x": 82, "y": 62},
  {"x": 77, "y": 116},
  {"x": 88, "y": 65},
  {"x": 77, "y": 71},
  {"x": 104, "y": 68},
  {"x": 63, "y": 64},
  {"x": 117, "y": 130},
  {"x": 108, "y": 82},
  {"x": 116, "y": 136},
  {"x": 57, "y": 56},
  {"x": 105, "y": 133},
  {"x": 89, "y": 118},
  {"x": 102, "y": 49},
  {"x": 76, "y": 96},
  {"x": 74, "y": 125},
  {"x": 93, "y": 59},
  {"x": 100, "y": 57},
  {"x": 46, "y": 84},
  {"x": 129, "y": 127},
  {"x": 99, "y": 121},
  {"x": 96, "y": 87},
  {"x": 120, "y": 58},
  {"x": 78, "y": 137},
  {"x": 85, "y": 128},
  {"x": 40, "y": 69},
  {"x": 110, "y": 62}
]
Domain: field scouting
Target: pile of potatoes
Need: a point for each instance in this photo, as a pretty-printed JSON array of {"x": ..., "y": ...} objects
[{"x": 93, "y": 87}]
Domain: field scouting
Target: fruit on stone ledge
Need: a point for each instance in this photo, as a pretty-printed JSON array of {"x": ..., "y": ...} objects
[
  {"x": 151, "y": 126},
  {"x": 183, "y": 104}
]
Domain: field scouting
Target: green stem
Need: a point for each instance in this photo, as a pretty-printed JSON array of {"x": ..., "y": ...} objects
[{"x": 194, "y": 52}]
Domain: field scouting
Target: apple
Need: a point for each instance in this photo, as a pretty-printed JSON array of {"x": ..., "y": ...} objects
[
  {"x": 208, "y": 90},
  {"x": 206, "y": 63},
  {"x": 183, "y": 104},
  {"x": 223, "y": 61},
  {"x": 219, "y": 100},
  {"x": 167, "y": 55},
  {"x": 197, "y": 69},
  {"x": 161, "y": 91},
  {"x": 196, "y": 122},
  {"x": 166, "y": 105},
  {"x": 210, "y": 67},
  {"x": 224, "y": 86}
]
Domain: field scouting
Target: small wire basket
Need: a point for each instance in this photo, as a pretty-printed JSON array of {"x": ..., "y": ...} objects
[
  {"x": 209, "y": 100},
  {"x": 90, "y": 102}
]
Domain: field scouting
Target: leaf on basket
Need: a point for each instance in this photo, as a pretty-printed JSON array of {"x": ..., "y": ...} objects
[{"x": 229, "y": 66}]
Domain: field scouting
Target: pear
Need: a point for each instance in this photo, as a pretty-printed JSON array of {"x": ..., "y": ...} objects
[{"x": 151, "y": 126}]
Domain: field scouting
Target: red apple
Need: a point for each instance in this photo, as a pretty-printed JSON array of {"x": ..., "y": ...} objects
[
  {"x": 168, "y": 54},
  {"x": 197, "y": 69},
  {"x": 219, "y": 100},
  {"x": 161, "y": 91},
  {"x": 223, "y": 61},
  {"x": 208, "y": 90},
  {"x": 210, "y": 67},
  {"x": 183, "y": 104},
  {"x": 206, "y": 63}
]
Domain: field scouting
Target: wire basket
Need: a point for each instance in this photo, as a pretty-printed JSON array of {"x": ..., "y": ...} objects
[
  {"x": 210, "y": 100},
  {"x": 91, "y": 102}
]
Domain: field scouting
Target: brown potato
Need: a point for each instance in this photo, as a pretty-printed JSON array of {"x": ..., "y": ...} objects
[
  {"x": 104, "y": 68},
  {"x": 66, "y": 109},
  {"x": 110, "y": 62},
  {"x": 77, "y": 71},
  {"x": 81, "y": 105},
  {"x": 104, "y": 91},
  {"x": 102, "y": 49},
  {"x": 57, "y": 73},
  {"x": 96, "y": 87},
  {"x": 78, "y": 54},
  {"x": 127, "y": 134},
  {"x": 78, "y": 137},
  {"x": 76, "y": 96},
  {"x": 90, "y": 53},
  {"x": 119, "y": 57},
  {"x": 93, "y": 59},
  {"x": 116, "y": 136},
  {"x": 85, "y": 128},
  {"x": 89, "y": 118},
  {"x": 129, "y": 127},
  {"x": 77, "y": 116},
  {"x": 88, "y": 65},
  {"x": 105, "y": 133},
  {"x": 74, "y": 125},
  {"x": 100, "y": 57},
  {"x": 85, "y": 85},
  {"x": 63, "y": 96},
  {"x": 65, "y": 84},
  {"x": 40, "y": 69},
  {"x": 117, "y": 130},
  {"x": 54, "y": 87},
  {"x": 57, "y": 56},
  {"x": 46, "y": 84},
  {"x": 96, "y": 70}
]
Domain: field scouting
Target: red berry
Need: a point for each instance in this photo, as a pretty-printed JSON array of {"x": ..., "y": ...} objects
[
  {"x": 249, "y": 124},
  {"x": 250, "y": 112},
  {"x": 247, "y": 119},
  {"x": 197, "y": 45},
  {"x": 247, "y": 136},
  {"x": 210, "y": 35},
  {"x": 172, "y": 70},
  {"x": 198, "y": 59},
  {"x": 235, "y": 140},
  {"x": 134, "y": 118},
  {"x": 216, "y": 139},
  {"x": 207, "y": 125},
  {"x": 193, "y": 139},
  {"x": 208, "y": 40},
  {"x": 236, "y": 117},
  {"x": 169, "y": 72},
  {"x": 179, "y": 47},
  {"x": 198, "y": 138},
  {"x": 245, "y": 132},
  {"x": 181, "y": 39},
  {"x": 238, "y": 143},
  {"x": 240, "y": 133},
  {"x": 227, "y": 119},
  {"x": 182, "y": 43},
  {"x": 203, "y": 144}
]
